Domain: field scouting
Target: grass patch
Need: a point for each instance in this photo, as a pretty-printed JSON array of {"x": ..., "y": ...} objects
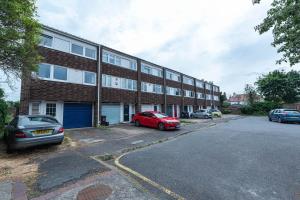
[{"x": 105, "y": 157}]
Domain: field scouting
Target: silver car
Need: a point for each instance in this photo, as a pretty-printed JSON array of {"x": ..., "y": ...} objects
[
  {"x": 203, "y": 113},
  {"x": 32, "y": 130}
]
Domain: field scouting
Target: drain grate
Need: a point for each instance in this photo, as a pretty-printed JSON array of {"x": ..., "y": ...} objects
[{"x": 95, "y": 192}]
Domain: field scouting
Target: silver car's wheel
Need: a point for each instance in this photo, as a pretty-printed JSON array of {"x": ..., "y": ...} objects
[{"x": 280, "y": 120}]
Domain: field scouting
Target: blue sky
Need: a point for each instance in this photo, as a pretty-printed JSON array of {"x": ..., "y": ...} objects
[{"x": 214, "y": 40}]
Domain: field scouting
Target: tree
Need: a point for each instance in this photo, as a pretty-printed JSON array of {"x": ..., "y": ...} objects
[
  {"x": 223, "y": 98},
  {"x": 251, "y": 94},
  {"x": 3, "y": 111},
  {"x": 280, "y": 86},
  {"x": 19, "y": 37},
  {"x": 284, "y": 20}
]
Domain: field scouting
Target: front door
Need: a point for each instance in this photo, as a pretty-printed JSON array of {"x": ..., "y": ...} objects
[{"x": 126, "y": 112}]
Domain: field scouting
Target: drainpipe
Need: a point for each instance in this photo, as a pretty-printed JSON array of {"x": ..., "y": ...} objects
[
  {"x": 99, "y": 84},
  {"x": 165, "y": 91}
]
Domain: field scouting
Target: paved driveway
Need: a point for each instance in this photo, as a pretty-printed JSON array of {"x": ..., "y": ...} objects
[{"x": 248, "y": 158}]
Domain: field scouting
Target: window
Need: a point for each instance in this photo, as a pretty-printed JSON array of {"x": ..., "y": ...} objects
[
  {"x": 188, "y": 81},
  {"x": 216, "y": 98},
  {"x": 77, "y": 49},
  {"x": 208, "y": 87},
  {"x": 199, "y": 84},
  {"x": 46, "y": 40},
  {"x": 173, "y": 76},
  {"x": 147, "y": 69},
  {"x": 200, "y": 95},
  {"x": 123, "y": 83},
  {"x": 44, "y": 70},
  {"x": 51, "y": 109},
  {"x": 90, "y": 78},
  {"x": 60, "y": 73},
  {"x": 105, "y": 57},
  {"x": 118, "y": 60},
  {"x": 61, "y": 45},
  {"x": 35, "y": 108},
  {"x": 91, "y": 53},
  {"x": 152, "y": 88},
  {"x": 188, "y": 93},
  {"x": 173, "y": 91}
]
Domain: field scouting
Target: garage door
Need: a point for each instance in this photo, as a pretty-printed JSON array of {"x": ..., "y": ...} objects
[
  {"x": 112, "y": 113},
  {"x": 77, "y": 115},
  {"x": 147, "y": 108}
]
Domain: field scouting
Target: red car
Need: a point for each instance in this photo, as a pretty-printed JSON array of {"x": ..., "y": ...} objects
[{"x": 156, "y": 120}]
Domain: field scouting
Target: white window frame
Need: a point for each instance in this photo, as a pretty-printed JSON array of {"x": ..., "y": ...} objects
[
  {"x": 199, "y": 84},
  {"x": 187, "y": 80},
  {"x": 115, "y": 55},
  {"x": 42, "y": 44},
  {"x": 59, "y": 80},
  {"x": 122, "y": 80},
  {"x": 172, "y": 91},
  {"x": 151, "y": 70},
  {"x": 172, "y": 76},
  {"x": 84, "y": 82}
]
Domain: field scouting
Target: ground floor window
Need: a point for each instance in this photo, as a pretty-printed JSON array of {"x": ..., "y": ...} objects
[
  {"x": 51, "y": 109},
  {"x": 35, "y": 108}
]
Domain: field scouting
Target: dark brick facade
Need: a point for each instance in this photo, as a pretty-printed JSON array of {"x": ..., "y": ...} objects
[{"x": 37, "y": 89}]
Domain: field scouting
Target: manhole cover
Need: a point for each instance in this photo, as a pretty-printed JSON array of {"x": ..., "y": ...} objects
[{"x": 95, "y": 192}]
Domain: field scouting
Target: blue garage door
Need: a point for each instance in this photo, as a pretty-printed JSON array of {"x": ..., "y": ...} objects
[
  {"x": 112, "y": 113},
  {"x": 77, "y": 115}
]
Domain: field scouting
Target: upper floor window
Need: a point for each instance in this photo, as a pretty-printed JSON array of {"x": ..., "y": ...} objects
[
  {"x": 153, "y": 88},
  {"x": 44, "y": 70},
  {"x": 216, "y": 89},
  {"x": 188, "y": 93},
  {"x": 77, "y": 49},
  {"x": 200, "y": 95},
  {"x": 90, "y": 78},
  {"x": 187, "y": 80},
  {"x": 46, "y": 40},
  {"x": 67, "y": 45},
  {"x": 60, "y": 73},
  {"x": 118, "y": 60},
  {"x": 173, "y": 91},
  {"x": 90, "y": 53},
  {"x": 199, "y": 84},
  {"x": 117, "y": 82},
  {"x": 208, "y": 86},
  {"x": 209, "y": 97},
  {"x": 216, "y": 98},
  {"x": 173, "y": 76},
  {"x": 147, "y": 69}
]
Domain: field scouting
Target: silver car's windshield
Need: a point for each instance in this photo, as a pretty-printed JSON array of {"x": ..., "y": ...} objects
[{"x": 31, "y": 121}]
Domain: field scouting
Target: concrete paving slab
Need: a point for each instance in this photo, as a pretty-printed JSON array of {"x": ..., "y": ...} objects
[{"x": 6, "y": 190}]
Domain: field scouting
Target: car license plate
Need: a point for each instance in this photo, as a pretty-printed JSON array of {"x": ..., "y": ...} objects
[
  {"x": 177, "y": 126},
  {"x": 42, "y": 132}
]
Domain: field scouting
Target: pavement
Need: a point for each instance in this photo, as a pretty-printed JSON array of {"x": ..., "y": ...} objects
[
  {"x": 66, "y": 171},
  {"x": 248, "y": 158}
]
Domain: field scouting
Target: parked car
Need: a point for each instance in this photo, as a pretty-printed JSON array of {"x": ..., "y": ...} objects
[
  {"x": 185, "y": 115},
  {"x": 156, "y": 120},
  {"x": 32, "y": 130},
  {"x": 203, "y": 113},
  {"x": 215, "y": 113},
  {"x": 284, "y": 115}
]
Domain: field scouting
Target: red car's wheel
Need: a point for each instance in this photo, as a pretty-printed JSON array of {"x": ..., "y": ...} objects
[
  {"x": 137, "y": 123},
  {"x": 161, "y": 126}
]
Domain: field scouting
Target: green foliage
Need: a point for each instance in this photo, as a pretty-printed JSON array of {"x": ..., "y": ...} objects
[
  {"x": 251, "y": 94},
  {"x": 225, "y": 111},
  {"x": 223, "y": 98},
  {"x": 284, "y": 20},
  {"x": 3, "y": 112},
  {"x": 19, "y": 37},
  {"x": 280, "y": 86},
  {"x": 260, "y": 108}
]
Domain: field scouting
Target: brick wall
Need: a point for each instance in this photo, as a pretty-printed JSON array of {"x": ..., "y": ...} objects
[
  {"x": 118, "y": 95},
  {"x": 149, "y": 98}
]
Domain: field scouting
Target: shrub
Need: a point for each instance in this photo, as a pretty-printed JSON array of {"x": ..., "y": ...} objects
[
  {"x": 260, "y": 108},
  {"x": 225, "y": 111}
]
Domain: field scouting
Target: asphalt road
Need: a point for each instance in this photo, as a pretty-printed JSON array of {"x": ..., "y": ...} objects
[{"x": 247, "y": 159}]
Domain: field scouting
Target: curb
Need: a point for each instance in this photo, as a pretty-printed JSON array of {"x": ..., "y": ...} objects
[{"x": 147, "y": 180}]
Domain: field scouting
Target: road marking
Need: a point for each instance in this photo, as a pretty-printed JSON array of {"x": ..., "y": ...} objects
[
  {"x": 147, "y": 180},
  {"x": 138, "y": 141}
]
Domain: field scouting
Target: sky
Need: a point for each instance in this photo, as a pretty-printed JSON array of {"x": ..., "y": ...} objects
[{"x": 213, "y": 40}]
